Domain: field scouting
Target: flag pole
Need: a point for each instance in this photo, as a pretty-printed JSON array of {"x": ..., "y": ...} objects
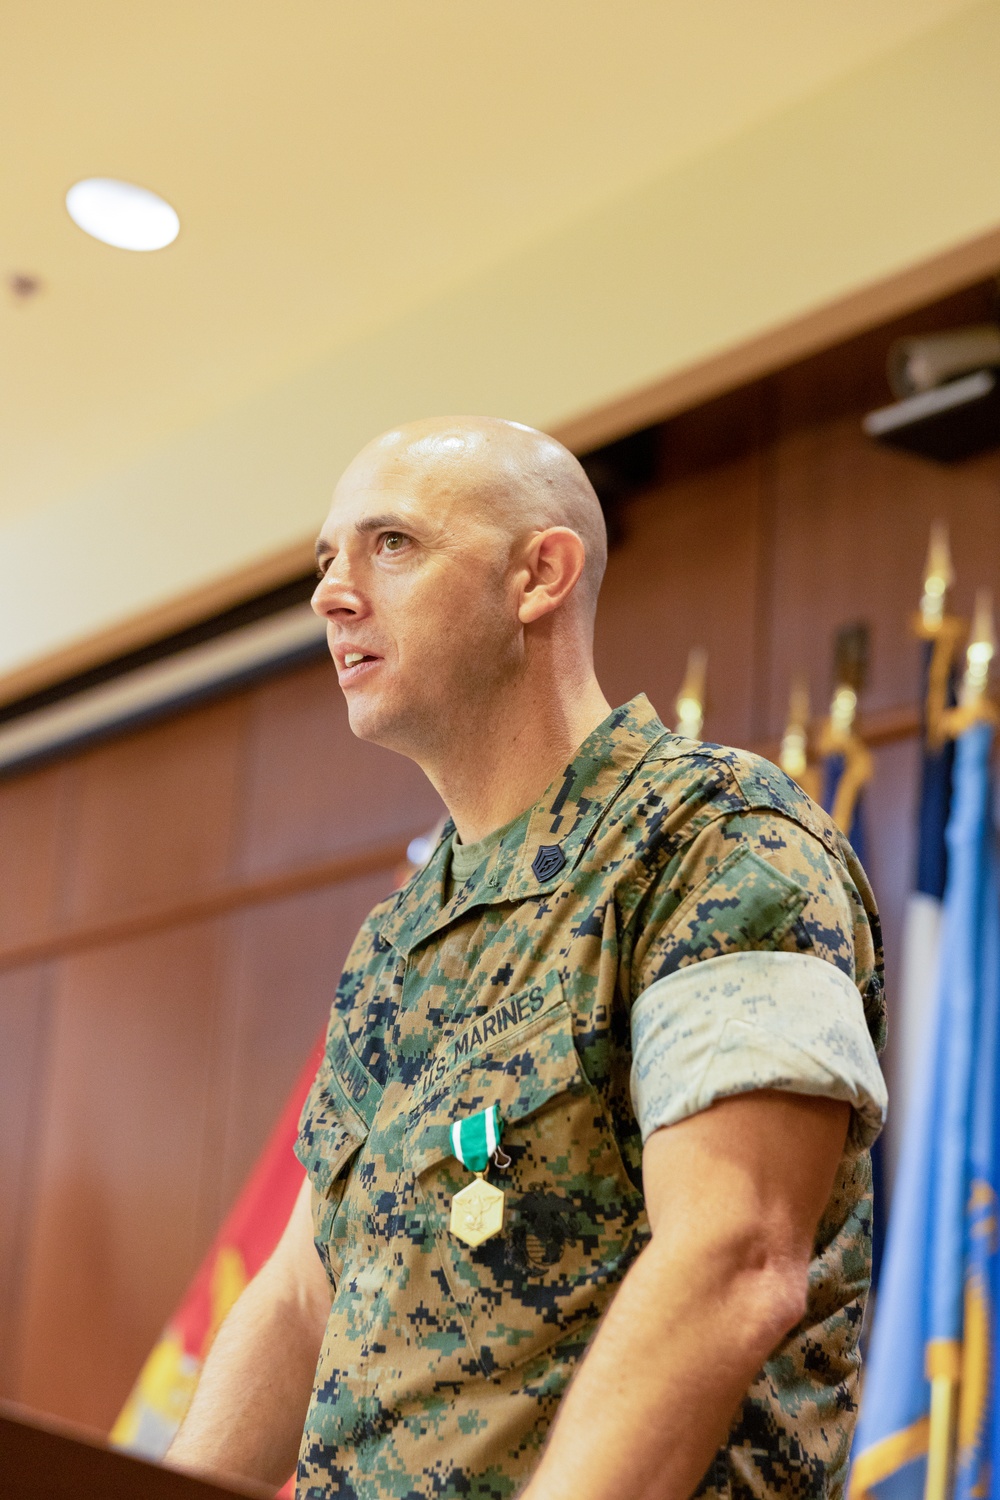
[{"x": 944, "y": 1370}]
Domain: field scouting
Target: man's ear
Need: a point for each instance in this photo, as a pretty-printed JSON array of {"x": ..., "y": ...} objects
[{"x": 553, "y": 563}]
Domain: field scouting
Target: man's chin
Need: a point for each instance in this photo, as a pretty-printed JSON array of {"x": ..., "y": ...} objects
[
  {"x": 409, "y": 729},
  {"x": 363, "y": 718},
  {"x": 374, "y": 722}
]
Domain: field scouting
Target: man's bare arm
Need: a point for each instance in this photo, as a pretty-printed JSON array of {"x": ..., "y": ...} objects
[
  {"x": 247, "y": 1415},
  {"x": 734, "y": 1196}
]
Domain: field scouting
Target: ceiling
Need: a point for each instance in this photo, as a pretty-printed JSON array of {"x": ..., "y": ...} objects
[{"x": 334, "y": 165}]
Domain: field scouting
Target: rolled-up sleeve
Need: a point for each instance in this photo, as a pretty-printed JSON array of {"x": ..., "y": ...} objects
[{"x": 752, "y": 1020}]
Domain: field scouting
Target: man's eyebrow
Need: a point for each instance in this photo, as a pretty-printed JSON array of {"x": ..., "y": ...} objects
[
  {"x": 386, "y": 522},
  {"x": 366, "y": 525}
]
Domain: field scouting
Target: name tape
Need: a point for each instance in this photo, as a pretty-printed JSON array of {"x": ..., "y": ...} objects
[{"x": 496, "y": 1023}]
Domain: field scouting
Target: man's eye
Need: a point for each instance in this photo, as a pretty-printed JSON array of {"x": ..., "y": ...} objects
[{"x": 393, "y": 540}]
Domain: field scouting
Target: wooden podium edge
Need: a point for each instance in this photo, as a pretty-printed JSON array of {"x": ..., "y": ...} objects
[{"x": 42, "y": 1458}]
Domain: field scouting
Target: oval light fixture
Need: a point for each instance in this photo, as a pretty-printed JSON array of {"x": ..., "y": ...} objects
[{"x": 122, "y": 214}]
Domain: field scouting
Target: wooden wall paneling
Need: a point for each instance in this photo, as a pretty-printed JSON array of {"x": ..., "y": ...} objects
[
  {"x": 34, "y": 820},
  {"x": 834, "y": 565},
  {"x": 852, "y": 519},
  {"x": 852, "y": 522},
  {"x": 115, "y": 1234},
  {"x": 24, "y": 1030},
  {"x": 687, "y": 574},
  {"x": 283, "y": 966},
  {"x": 972, "y": 508},
  {"x": 156, "y": 813},
  {"x": 850, "y": 377},
  {"x": 312, "y": 788}
]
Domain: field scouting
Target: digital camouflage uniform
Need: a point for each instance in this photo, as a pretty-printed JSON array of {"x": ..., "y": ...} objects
[{"x": 443, "y": 1366}]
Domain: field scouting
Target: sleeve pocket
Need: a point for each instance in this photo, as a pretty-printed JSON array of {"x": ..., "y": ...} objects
[
  {"x": 328, "y": 1135},
  {"x": 744, "y": 904}
]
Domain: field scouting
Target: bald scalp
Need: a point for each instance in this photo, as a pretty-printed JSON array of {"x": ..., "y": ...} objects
[{"x": 516, "y": 479}]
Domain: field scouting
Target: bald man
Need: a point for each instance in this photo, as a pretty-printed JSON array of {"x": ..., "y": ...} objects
[{"x": 601, "y": 1079}]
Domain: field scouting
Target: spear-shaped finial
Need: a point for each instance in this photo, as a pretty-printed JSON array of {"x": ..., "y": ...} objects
[
  {"x": 944, "y": 633},
  {"x": 939, "y": 575},
  {"x": 980, "y": 650},
  {"x": 843, "y": 708},
  {"x": 690, "y": 705},
  {"x": 792, "y": 757}
]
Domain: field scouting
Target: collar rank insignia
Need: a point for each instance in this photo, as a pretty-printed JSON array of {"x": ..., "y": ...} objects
[{"x": 548, "y": 861}]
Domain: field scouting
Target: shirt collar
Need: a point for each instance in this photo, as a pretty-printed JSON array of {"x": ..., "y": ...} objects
[{"x": 539, "y": 855}]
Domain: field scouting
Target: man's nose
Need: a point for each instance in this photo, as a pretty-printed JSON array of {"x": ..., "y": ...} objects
[{"x": 335, "y": 594}]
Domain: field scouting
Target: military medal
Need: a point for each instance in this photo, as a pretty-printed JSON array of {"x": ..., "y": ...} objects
[{"x": 477, "y": 1210}]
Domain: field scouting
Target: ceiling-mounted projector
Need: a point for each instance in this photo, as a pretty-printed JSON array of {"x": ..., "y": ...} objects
[{"x": 949, "y": 385}]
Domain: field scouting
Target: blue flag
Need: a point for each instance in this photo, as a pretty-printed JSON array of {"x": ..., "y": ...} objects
[
  {"x": 914, "y": 991},
  {"x": 933, "y": 1339},
  {"x": 936, "y": 770}
]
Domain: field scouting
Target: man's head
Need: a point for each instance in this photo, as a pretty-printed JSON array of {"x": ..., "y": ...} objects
[{"x": 460, "y": 555}]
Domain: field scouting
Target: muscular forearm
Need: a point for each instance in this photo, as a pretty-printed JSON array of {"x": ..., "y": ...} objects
[
  {"x": 248, "y": 1411},
  {"x": 655, "y": 1397}
]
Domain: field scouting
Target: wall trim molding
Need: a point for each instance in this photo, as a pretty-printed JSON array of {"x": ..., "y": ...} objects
[
  {"x": 213, "y": 903},
  {"x": 168, "y": 618}
]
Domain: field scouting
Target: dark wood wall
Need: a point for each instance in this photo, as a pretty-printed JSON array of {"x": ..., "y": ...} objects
[{"x": 164, "y": 969}]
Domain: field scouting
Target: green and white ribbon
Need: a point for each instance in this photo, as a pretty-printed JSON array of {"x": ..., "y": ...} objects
[{"x": 475, "y": 1138}]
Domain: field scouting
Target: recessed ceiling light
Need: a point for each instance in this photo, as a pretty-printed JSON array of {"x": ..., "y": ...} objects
[{"x": 119, "y": 213}]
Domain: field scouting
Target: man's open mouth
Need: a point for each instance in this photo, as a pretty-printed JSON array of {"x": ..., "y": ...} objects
[{"x": 355, "y": 663}]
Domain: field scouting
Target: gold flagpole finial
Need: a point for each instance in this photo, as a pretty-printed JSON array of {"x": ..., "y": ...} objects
[
  {"x": 839, "y": 735},
  {"x": 944, "y": 631},
  {"x": 690, "y": 705},
  {"x": 974, "y": 707},
  {"x": 939, "y": 575},
  {"x": 980, "y": 650},
  {"x": 843, "y": 710},
  {"x": 793, "y": 755}
]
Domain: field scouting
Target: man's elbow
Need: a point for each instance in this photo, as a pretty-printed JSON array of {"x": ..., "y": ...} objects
[{"x": 774, "y": 1294}]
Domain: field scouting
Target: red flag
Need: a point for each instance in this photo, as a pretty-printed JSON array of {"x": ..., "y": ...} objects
[{"x": 160, "y": 1397}]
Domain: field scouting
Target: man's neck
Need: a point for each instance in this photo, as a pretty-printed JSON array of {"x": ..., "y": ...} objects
[{"x": 507, "y": 765}]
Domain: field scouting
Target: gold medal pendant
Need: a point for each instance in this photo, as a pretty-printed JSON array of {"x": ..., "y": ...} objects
[{"x": 477, "y": 1212}]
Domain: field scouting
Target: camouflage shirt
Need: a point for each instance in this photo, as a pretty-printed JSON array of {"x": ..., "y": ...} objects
[{"x": 442, "y": 1366}]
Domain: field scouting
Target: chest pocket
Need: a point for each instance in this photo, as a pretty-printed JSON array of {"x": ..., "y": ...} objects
[
  {"x": 334, "y": 1125},
  {"x": 573, "y": 1221}
]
